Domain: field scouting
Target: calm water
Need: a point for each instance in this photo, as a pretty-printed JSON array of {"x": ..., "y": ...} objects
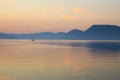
[{"x": 59, "y": 60}]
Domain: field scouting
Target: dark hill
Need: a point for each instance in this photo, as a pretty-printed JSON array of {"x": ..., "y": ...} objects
[
  {"x": 103, "y": 32},
  {"x": 95, "y": 32},
  {"x": 74, "y": 34},
  {"x": 6, "y": 36}
]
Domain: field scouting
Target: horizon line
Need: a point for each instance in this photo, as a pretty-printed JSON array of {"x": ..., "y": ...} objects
[{"x": 64, "y": 31}]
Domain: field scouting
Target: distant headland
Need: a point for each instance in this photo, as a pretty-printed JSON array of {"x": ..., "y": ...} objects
[{"x": 95, "y": 32}]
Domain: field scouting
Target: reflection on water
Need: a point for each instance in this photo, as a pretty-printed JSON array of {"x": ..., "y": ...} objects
[
  {"x": 112, "y": 46},
  {"x": 59, "y": 60}
]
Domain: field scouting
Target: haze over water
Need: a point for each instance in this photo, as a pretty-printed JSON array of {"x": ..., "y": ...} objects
[{"x": 59, "y": 60}]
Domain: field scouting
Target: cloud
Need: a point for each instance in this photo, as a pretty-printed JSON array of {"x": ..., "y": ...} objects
[
  {"x": 74, "y": 14},
  {"x": 69, "y": 17},
  {"x": 82, "y": 12}
]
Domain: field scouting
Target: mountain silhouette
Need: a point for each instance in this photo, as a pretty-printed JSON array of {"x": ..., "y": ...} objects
[
  {"x": 44, "y": 35},
  {"x": 6, "y": 36},
  {"x": 102, "y": 32},
  {"x": 95, "y": 32},
  {"x": 74, "y": 34}
]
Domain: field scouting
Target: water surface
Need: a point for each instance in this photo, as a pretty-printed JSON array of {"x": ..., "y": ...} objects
[{"x": 59, "y": 60}]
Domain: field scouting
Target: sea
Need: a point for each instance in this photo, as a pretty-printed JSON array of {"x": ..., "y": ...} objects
[{"x": 59, "y": 59}]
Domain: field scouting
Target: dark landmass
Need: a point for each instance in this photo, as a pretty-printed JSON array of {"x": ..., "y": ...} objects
[
  {"x": 95, "y": 32},
  {"x": 6, "y": 36}
]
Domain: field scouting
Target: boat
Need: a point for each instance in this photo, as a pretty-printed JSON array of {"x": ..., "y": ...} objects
[{"x": 33, "y": 40}]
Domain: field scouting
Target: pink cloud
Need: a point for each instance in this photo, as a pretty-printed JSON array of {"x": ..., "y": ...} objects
[
  {"x": 82, "y": 12},
  {"x": 69, "y": 17}
]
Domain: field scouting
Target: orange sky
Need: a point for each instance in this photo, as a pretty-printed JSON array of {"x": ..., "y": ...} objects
[{"x": 30, "y": 16}]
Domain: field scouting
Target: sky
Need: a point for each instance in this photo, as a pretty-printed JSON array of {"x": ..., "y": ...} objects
[{"x": 31, "y": 16}]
